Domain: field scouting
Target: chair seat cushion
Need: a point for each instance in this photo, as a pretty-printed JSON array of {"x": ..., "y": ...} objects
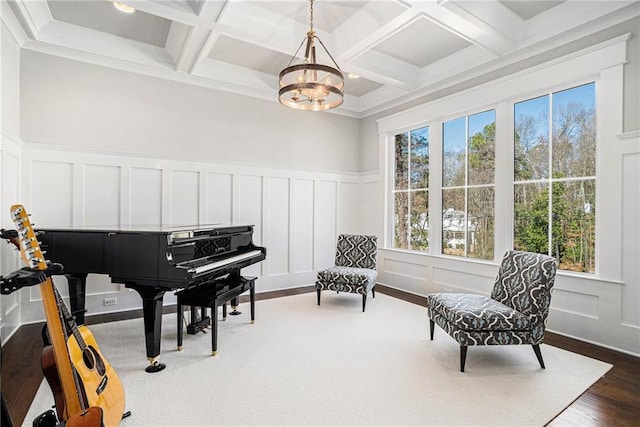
[
  {"x": 477, "y": 312},
  {"x": 347, "y": 279}
]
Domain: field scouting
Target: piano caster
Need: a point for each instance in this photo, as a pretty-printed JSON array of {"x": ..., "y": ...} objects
[
  {"x": 235, "y": 311},
  {"x": 155, "y": 366},
  {"x": 213, "y": 353},
  {"x": 179, "y": 348},
  {"x": 253, "y": 321}
]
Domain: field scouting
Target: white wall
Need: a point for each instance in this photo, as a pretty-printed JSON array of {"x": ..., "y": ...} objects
[
  {"x": 601, "y": 307},
  {"x": 296, "y": 214},
  {"x": 106, "y": 147},
  {"x": 70, "y": 103},
  {"x": 9, "y": 169}
]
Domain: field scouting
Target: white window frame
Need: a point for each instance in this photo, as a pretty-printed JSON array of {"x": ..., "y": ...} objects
[
  {"x": 603, "y": 64},
  {"x": 408, "y": 190}
]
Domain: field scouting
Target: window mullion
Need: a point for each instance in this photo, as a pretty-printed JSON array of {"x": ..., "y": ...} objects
[
  {"x": 409, "y": 191},
  {"x": 466, "y": 187},
  {"x": 550, "y": 190}
]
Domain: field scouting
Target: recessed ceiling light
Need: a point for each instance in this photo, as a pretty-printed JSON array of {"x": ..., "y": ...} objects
[
  {"x": 353, "y": 76},
  {"x": 123, "y": 7}
]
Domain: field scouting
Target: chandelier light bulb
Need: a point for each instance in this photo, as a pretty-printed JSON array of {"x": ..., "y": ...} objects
[{"x": 123, "y": 7}]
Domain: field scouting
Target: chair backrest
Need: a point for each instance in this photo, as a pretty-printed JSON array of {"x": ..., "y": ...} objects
[
  {"x": 354, "y": 250},
  {"x": 524, "y": 283}
]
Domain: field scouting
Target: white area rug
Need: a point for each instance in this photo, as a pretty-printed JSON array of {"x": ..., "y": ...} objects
[{"x": 303, "y": 364}]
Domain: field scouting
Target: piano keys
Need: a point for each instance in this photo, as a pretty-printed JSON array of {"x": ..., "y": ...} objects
[{"x": 150, "y": 260}]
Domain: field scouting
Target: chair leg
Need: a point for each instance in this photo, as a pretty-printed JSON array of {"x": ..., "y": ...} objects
[
  {"x": 463, "y": 356},
  {"x": 364, "y": 301},
  {"x": 432, "y": 325},
  {"x": 536, "y": 349},
  {"x": 318, "y": 291},
  {"x": 373, "y": 291}
]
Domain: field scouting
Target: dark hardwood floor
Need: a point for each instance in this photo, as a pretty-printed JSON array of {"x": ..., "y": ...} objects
[{"x": 612, "y": 401}]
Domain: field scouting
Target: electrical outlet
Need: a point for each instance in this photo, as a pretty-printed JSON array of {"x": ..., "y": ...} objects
[{"x": 110, "y": 301}]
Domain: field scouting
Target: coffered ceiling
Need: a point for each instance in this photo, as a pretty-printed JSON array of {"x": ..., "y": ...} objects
[{"x": 400, "y": 49}]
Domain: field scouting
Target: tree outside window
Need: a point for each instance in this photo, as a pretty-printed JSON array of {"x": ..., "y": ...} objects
[
  {"x": 411, "y": 190},
  {"x": 554, "y": 177},
  {"x": 468, "y": 191}
]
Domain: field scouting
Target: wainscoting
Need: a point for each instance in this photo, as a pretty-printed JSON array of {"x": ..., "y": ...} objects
[{"x": 296, "y": 214}]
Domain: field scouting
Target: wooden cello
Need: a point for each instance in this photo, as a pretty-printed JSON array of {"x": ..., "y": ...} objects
[{"x": 86, "y": 379}]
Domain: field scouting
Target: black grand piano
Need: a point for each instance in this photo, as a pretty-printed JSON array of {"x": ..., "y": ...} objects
[{"x": 151, "y": 260}]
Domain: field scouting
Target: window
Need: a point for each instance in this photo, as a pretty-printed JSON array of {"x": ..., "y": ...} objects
[
  {"x": 468, "y": 165},
  {"x": 411, "y": 190},
  {"x": 554, "y": 177}
]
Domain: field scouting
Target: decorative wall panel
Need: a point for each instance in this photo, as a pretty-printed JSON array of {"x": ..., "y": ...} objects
[
  {"x": 9, "y": 260},
  {"x": 250, "y": 212},
  {"x": 348, "y": 207},
  {"x": 51, "y": 193},
  {"x": 145, "y": 196},
  {"x": 101, "y": 196},
  {"x": 184, "y": 198},
  {"x": 277, "y": 231},
  {"x": 578, "y": 303},
  {"x": 325, "y": 224},
  {"x": 630, "y": 244},
  {"x": 219, "y": 200},
  {"x": 303, "y": 220}
]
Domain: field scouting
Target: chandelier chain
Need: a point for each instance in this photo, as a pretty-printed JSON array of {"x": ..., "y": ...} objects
[{"x": 311, "y": 16}]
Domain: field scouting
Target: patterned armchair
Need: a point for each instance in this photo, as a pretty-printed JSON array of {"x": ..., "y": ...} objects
[
  {"x": 355, "y": 267},
  {"x": 514, "y": 314}
]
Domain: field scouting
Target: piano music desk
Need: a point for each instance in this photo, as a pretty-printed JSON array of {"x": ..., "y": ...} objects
[{"x": 211, "y": 295}]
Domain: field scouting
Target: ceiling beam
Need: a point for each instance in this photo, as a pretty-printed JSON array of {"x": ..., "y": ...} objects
[
  {"x": 199, "y": 38},
  {"x": 462, "y": 22}
]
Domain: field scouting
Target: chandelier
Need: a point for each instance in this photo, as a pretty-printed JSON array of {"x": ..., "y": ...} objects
[{"x": 311, "y": 86}]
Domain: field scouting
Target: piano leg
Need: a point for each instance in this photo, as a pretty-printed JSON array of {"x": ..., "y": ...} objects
[
  {"x": 214, "y": 327},
  {"x": 152, "y": 311},
  {"x": 252, "y": 300},
  {"x": 77, "y": 284},
  {"x": 180, "y": 313}
]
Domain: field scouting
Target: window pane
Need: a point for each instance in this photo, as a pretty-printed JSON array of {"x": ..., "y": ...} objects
[
  {"x": 453, "y": 157},
  {"x": 531, "y": 218},
  {"x": 481, "y": 222},
  {"x": 482, "y": 133},
  {"x": 573, "y": 230},
  {"x": 532, "y": 139},
  {"x": 453, "y": 222},
  {"x": 420, "y": 158},
  {"x": 402, "y": 160},
  {"x": 401, "y": 212},
  {"x": 419, "y": 220},
  {"x": 574, "y": 132}
]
